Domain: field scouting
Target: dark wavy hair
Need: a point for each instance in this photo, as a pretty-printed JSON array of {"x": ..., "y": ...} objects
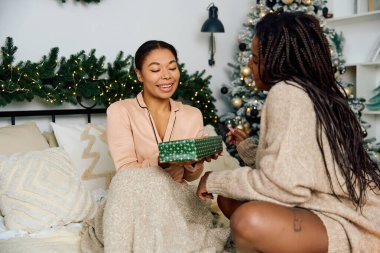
[
  {"x": 293, "y": 47},
  {"x": 149, "y": 46}
]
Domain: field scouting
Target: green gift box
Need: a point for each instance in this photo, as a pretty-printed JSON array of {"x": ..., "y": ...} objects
[{"x": 189, "y": 149}]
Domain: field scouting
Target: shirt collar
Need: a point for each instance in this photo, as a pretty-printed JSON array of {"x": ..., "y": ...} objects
[{"x": 174, "y": 105}]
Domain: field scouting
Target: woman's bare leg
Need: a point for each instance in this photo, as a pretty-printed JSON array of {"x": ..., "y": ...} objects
[
  {"x": 228, "y": 206},
  {"x": 266, "y": 227}
]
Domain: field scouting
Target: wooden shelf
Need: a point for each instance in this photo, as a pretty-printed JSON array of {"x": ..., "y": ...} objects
[
  {"x": 357, "y": 18},
  {"x": 368, "y": 112},
  {"x": 362, "y": 64}
]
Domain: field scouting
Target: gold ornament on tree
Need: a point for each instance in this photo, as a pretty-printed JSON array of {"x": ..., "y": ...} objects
[
  {"x": 248, "y": 110},
  {"x": 307, "y": 2},
  {"x": 287, "y": 2},
  {"x": 245, "y": 71},
  {"x": 348, "y": 91},
  {"x": 246, "y": 127},
  {"x": 237, "y": 102}
]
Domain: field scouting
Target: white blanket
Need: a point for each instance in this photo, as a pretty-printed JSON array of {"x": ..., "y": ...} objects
[
  {"x": 146, "y": 211},
  {"x": 58, "y": 240}
]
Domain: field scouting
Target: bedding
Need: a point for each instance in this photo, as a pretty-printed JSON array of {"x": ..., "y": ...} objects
[
  {"x": 81, "y": 159},
  {"x": 87, "y": 147},
  {"x": 60, "y": 239},
  {"x": 39, "y": 189},
  {"x": 21, "y": 138}
]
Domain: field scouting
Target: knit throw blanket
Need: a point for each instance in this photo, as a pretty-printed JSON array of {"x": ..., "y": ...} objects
[{"x": 146, "y": 211}]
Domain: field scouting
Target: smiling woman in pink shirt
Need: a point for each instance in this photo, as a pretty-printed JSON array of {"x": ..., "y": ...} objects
[
  {"x": 136, "y": 126},
  {"x": 150, "y": 207}
]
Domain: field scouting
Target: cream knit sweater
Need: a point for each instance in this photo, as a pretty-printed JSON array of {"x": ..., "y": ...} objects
[{"x": 289, "y": 171}]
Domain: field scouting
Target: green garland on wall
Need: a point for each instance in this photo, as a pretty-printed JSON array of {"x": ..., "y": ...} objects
[{"x": 85, "y": 77}]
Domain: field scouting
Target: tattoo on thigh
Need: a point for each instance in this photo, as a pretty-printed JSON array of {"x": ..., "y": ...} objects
[{"x": 297, "y": 221}]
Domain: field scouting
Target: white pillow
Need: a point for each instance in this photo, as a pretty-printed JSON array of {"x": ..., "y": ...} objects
[
  {"x": 87, "y": 147},
  {"x": 39, "y": 189},
  {"x": 21, "y": 138}
]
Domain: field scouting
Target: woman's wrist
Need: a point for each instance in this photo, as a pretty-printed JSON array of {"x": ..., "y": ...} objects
[
  {"x": 206, "y": 175},
  {"x": 190, "y": 175}
]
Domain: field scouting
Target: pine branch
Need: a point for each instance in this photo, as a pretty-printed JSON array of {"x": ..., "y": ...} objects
[{"x": 84, "y": 77}]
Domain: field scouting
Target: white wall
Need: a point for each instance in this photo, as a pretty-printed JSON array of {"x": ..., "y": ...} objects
[{"x": 122, "y": 25}]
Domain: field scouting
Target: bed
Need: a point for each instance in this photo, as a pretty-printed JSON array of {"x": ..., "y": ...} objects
[{"x": 50, "y": 181}]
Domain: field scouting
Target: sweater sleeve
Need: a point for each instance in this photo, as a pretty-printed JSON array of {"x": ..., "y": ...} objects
[
  {"x": 247, "y": 152},
  {"x": 280, "y": 175}
]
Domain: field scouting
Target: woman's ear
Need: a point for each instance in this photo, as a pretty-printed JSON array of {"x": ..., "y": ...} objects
[{"x": 139, "y": 75}]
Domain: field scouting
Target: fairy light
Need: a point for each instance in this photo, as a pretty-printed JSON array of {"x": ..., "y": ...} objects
[{"x": 105, "y": 87}]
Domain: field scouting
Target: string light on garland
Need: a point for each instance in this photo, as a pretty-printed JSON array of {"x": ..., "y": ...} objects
[{"x": 84, "y": 75}]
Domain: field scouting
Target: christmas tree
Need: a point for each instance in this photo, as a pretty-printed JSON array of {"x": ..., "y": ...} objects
[{"x": 247, "y": 101}]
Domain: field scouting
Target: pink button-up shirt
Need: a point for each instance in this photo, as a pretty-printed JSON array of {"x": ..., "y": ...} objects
[{"x": 132, "y": 135}]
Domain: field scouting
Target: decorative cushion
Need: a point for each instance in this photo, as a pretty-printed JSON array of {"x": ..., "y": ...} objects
[
  {"x": 50, "y": 138},
  {"x": 39, "y": 189},
  {"x": 87, "y": 147},
  {"x": 21, "y": 138}
]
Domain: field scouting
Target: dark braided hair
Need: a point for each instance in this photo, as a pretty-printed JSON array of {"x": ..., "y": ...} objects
[{"x": 293, "y": 47}]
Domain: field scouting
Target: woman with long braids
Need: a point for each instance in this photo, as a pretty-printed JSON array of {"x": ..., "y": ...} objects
[{"x": 313, "y": 187}]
